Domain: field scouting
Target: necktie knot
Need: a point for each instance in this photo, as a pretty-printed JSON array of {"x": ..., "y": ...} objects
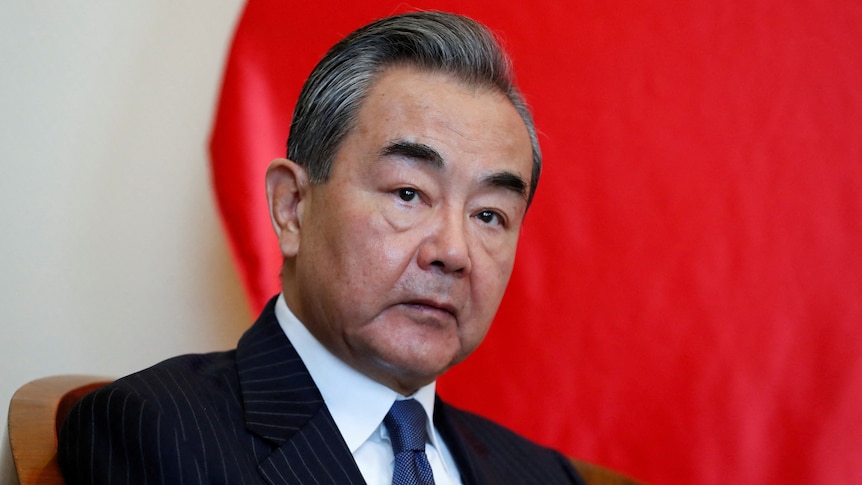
[{"x": 405, "y": 422}]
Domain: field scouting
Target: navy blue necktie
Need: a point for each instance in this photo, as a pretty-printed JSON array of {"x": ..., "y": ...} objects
[{"x": 405, "y": 422}]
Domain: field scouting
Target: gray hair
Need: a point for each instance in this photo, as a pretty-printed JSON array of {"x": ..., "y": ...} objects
[{"x": 328, "y": 104}]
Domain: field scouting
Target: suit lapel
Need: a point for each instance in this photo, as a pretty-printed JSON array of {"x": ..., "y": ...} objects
[
  {"x": 313, "y": 456},
  {"x": 283, "y": 405}
]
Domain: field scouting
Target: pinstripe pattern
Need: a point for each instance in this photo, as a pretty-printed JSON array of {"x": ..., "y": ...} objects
[
  {"x": 489, "y": 453},
  {"x": 254, "y": 415}
]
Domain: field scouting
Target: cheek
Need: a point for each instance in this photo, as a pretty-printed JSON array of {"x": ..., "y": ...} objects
[
  {"x": 489, "y": 280},
  {"x": 499, "y": 244},
  {"x": 372, "y": 255},
  {"x": 496, "y": 253},
  {"x": 398, "y": 219},
  {"x": 388, "y": 232}
]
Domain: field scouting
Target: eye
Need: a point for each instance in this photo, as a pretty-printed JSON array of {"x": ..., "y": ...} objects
[
  {"x": 407, "y": 194},
  {"x": 490, "y": 217}
]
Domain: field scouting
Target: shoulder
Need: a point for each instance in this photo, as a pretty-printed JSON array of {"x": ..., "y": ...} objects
[
  {"x": 190, "y": 372},
  {"x": 484, "y": 433},
  {"x": 500, "y": 452},
  {"x": 168, "y": 391},
  {"x": 165, "y": 415},
  {"x": 189, "y": 378}
]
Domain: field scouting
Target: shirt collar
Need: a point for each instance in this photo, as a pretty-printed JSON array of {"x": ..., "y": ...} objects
[{"x": 356, "y": 402}]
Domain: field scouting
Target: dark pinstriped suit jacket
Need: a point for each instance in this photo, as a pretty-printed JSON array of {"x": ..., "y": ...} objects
[{"x": 254, "y": 415}]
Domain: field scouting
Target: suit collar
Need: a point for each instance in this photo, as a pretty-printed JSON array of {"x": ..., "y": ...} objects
[
  {"x": 273, "y": 379},
  {"x": 283, "y": 405}
]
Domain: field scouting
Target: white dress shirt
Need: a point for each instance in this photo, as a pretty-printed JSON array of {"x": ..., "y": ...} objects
[{"x": 358, "y": 404}]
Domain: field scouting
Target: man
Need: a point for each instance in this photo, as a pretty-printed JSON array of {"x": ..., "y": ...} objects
[{"x": 412, "y": 160}]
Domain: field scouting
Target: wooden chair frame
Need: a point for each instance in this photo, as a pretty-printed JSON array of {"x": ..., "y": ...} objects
[{"x": 36, "y": 414}]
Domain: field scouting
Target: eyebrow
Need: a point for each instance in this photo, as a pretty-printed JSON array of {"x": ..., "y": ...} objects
[
  {"x": 509, "y": 181},
  {"x": 414, "y": 151},
  {"x": 425, "y": 154}
]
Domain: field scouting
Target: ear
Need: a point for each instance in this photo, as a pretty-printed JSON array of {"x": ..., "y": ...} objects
[{"x": 286, "y": 189}]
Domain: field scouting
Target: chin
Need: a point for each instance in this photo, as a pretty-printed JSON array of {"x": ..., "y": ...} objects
[{"x": 411, "y": 373}]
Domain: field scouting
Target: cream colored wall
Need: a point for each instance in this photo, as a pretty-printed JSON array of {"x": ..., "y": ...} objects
[{"x": 111, "y": 252}]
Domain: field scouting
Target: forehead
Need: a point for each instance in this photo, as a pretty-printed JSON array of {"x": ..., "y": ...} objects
[{"x": 467, "y": 125}]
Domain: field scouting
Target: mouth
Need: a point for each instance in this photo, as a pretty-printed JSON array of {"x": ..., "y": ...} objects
[{"x": 433, "y": 306}]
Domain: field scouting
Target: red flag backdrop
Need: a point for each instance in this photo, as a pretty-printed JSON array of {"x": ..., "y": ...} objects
[{"x": 687, "y": 302}]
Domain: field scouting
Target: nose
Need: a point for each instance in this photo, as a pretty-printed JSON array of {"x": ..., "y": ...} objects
[{"x": 445, "y": 247}]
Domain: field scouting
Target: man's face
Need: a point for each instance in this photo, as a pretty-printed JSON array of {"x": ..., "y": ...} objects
[{"x": 404, "y": 253}]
